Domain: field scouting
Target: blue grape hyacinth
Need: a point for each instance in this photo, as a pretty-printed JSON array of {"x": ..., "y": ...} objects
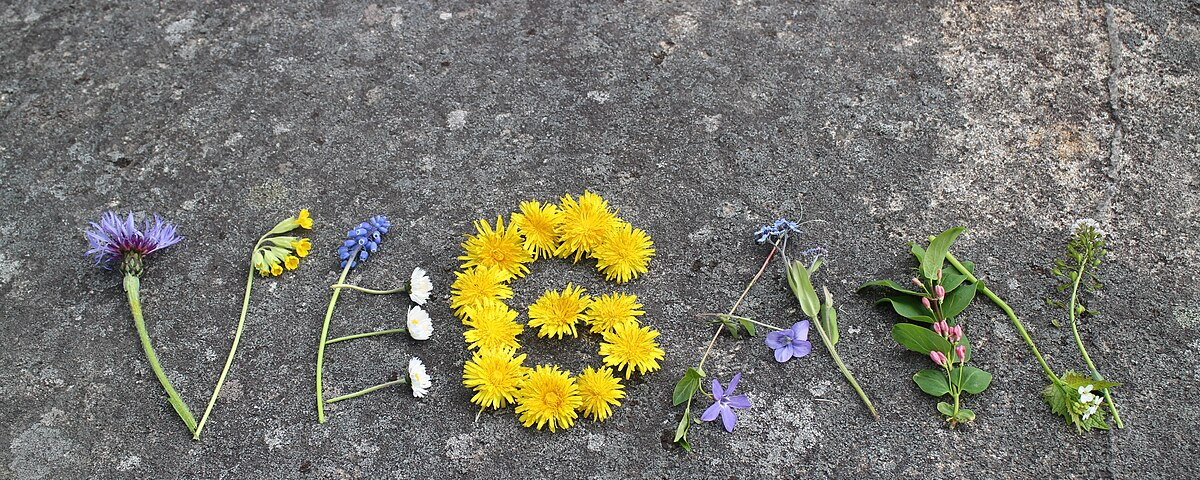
[{"x": 363, "y": 240}]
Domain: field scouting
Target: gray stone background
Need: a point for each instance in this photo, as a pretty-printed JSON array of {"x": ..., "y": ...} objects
[{"x": 700, "y": 120}]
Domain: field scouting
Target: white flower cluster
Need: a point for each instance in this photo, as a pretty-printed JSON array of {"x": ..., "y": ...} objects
[
  {"x": 1088, "y": 401},
  {"x": 419, "y": 286},
  {"x": 1084, "y": 223}
]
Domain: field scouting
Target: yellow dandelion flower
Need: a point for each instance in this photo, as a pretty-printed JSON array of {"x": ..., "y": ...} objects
[
  {"x": 495, "y": 375},
  {"x": 291, "y": 262},
  {"x": 501, "y": 248},
  {"x": 475, "y": 286},
  {"x": 558, "y": 312},
  {"x": 276, "y": 270},
  {"x": 628, "y": 347},
  {"x": 584, "y": 224},
  {"x": 599, "y": 391},
  {"x": 304, "y": 220},
  {"x": 549, "y": 396},
  {"x": 538, "y": 224},
  {"x": 611, "y": 309},
  {"x": 624, "y": 253},
  {"x": 492, "y": 325},
  {"x": 302, "y": 247}
]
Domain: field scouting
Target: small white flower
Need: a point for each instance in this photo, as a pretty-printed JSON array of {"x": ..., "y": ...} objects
[
  {"x": 1090, "y": 411},
  {"x": 418, "y": 378},
  {"x": 1087, "y": 398},
  {"x": 419, "y": 326},
  {"x": 1086, "y": 389},
  {"x": 1084, "y": 223},
  {"x": 419, "y": 286}
]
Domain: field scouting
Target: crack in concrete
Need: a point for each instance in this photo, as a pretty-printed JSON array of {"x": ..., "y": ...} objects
[{"x": 1113, "y": 171}]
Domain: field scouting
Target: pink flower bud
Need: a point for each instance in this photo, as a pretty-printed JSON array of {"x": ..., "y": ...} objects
[
  {"x": 938, "y": 358},
  {"x": 940, "y": 291},
  {"x": 939, "y": 274},
  {"x": 961, "y": 352},
  {"x": 937, "y": 328},
  {"x": 954, "y": 334},
  {"x": 925, "y": 303},
  {"x": 916, "y": 281}
]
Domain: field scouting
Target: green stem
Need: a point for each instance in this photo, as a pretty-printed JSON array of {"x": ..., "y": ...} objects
[
  {"x": 132, "y": 285},
  {"x": 1112, "y": 406},
  {"x": 325, "y": 335},
  {"x": 237, "y": 337},
  {"x": 748, "y": 319},
  {"x": 367, "y": 390},
  {"x": 842, "y": 366},
  {"x": 340, "y": 285},
  {"x": 365, "y": 335},
  {"x": 1008, "y": 311},
  {"x": 736, "y": 304}
]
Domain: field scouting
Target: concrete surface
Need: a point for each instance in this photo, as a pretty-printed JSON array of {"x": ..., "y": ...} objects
[{"x": 700, "y": 120}]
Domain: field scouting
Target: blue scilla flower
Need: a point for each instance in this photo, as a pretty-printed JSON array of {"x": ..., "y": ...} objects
[
  {"x": 780, "y": 228},
  {"x": 363, "y": 240}
]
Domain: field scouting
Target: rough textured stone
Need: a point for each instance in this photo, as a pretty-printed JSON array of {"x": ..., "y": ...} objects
[{"x": 698, "y": 119}]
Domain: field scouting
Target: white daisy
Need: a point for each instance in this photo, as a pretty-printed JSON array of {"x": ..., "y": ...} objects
[
  {"x": 420, "y": 327},
  {"x": 419, "y": 286},
  {"x": 418, "y": 378}
]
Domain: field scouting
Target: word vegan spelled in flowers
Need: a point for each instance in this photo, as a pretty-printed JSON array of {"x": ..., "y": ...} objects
[
  {"x": 786, "y": 343},
  {"x": 547, "y": 395},
  {"x": 362, "y": 241},
  {"x": 941, "y": 298},
  {"x": 114, "y": 239},
  {"x": 273, "y": 252}
]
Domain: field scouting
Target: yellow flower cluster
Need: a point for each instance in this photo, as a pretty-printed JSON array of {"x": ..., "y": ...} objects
[
  {"x": 547, "y": 395},
  {"x": 275, "y": 252}
]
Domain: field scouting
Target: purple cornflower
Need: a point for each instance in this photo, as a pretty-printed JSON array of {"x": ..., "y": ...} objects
[
  {"x": 363, "y": 240},
  {"x": 122, "y": 240},
  {"x": 780, "y": 228},
  {"x": 789, "y": 343},
  {"x": 724, "y": 401}
]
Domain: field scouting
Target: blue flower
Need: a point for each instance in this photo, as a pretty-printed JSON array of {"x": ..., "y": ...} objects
[
  {"x": 115, "y": 239},
  {"x": 363, "y": 240},
  {"x": 779, "y": 229},
  {"x": 789, "y": 343},
  {"x": 724, "y": 402}
]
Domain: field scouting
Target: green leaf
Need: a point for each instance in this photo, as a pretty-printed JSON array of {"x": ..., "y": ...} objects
[
  {"x": 965, "y": 415},
  {"x": 919, "y": 339},
  {"x": 970, "y": 266},
  {"x": 971, "y": 379},
  {"x": 682, "y": 430},
  {"x": 687, "y": 386},
  {"x": 746, "y": 324},
  {"x": 917, "y": 251},
  {"x": 802, "y": 287},
  {"x": 951, "y": 279},
  {"x": 935, "y": 255},
  {"x": 946, "y": 409},
  {"x": 729, "y": 325},
  {"x": 908, "y": 307},
  {"x": 958, "y": 300},
  {"x": 829, "y": 318},
  {"x": 890, "y": 285},
  {"x": 932, "y": 382}
]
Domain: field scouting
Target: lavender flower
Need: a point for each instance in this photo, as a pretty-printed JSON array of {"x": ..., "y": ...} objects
[
  {"x": 780, "y": 228},
  {"x": 789, "y": 343},
  {"x": 117, "y": 239},
  {"x": 363, "y": 240},
  {"x": 724, "y": 403}
]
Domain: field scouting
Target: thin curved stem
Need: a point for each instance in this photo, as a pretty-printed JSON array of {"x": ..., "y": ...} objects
[
  {"x": 1112, "y": 406},
  {"x": 367, "y": 390},
  {"x": 365, "y": 335},
  {"x": 1008, "y": 311},
  {"x": 737, "y": 304},
  {"x": 325, "y": 335},
  {"x": 132, "y": 286},
  {"x": 340, "y": 285},
  {"x": 842, "y": 366},
  {"x": 738, "y": 317},
  {"x": 237, "y": 337}
]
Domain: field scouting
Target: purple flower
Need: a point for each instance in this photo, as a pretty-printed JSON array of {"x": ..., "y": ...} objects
[
  {"x": 789, "y": 343},
  {"x": 114, "y": 238},
  {"x": 725, "y": 402},
  {"x": 780, "y": 228}
]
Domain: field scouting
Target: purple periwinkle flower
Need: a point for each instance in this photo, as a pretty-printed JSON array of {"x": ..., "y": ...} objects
[
  {"x": 363, "y": 240},
  {"x": 117, "y": 239},
  {"x": 792, "y": 342},
  {"x": 724, "y": 401}
]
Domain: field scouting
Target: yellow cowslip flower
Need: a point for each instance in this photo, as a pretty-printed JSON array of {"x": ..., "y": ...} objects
[
  {"x": 302, "y": 247},
  {"x": 276, "y": 270},
  {"x": 304, "y": 220},
  {"x": 291, "y": 262}
]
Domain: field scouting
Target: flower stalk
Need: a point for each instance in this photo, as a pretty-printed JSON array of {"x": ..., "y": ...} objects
[{"x": 132, "y": 286}]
